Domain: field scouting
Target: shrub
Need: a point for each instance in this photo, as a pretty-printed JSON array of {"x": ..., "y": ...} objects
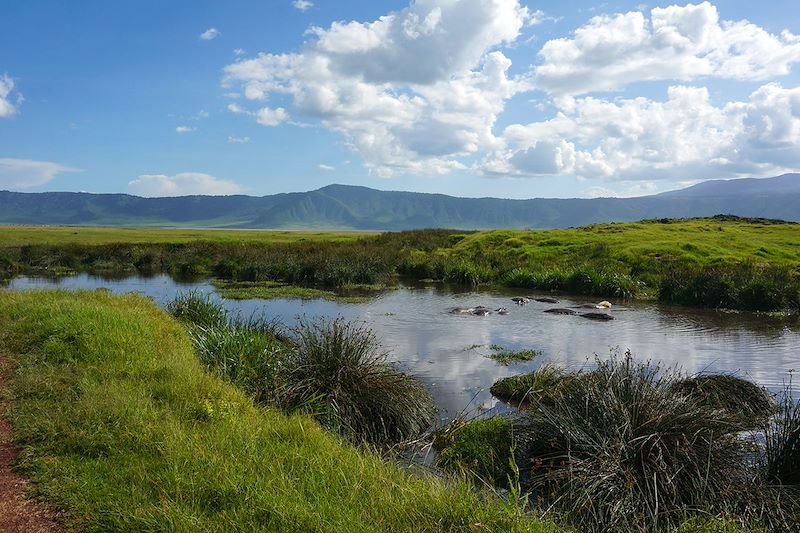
[
  {"x": 337, "y": 370},
  {"x": 527, "y": 388}
]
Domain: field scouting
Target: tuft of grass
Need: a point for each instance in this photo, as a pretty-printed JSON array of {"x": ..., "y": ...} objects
[
  {"x": 199, "y": 309},
  {"x": 782, "y": 443},
  {"x": 507, "y": 357},
  {"x": 338, "y": 371},
  {"x": 268, "y": 290},
  {"x": 618, "y": 448},
  {"x": 481, "y": 448},
  {"x": 129, "y": 433},
  {"x": 527, "y": 388},
  {"x": 743, "y": 400}
]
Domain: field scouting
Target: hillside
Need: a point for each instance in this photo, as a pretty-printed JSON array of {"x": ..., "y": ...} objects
[{"x": 362, "y": 208}]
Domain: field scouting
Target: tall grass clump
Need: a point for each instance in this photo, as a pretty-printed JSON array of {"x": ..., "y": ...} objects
[
  {"x": 617, "y": 449},
  {"x": 338, "y": 371},
  {"x": 481, "y": 448},
  {"x": 782, "y": 443},
  {"x": 526, "y": 388},
  {"x": 196, "y": 308},
  {"x": 748, "y": 403}
]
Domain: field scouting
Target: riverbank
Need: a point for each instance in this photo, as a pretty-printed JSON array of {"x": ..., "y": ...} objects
[
  {"x": 717, "y": 262},
  {"x": 120, "y": 426}
]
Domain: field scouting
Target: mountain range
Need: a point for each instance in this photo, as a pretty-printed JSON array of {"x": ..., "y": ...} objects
[{"x": 362, "y": 208}]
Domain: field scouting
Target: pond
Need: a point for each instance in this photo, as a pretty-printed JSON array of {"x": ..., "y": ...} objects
[{"x": 449, "y": 352}]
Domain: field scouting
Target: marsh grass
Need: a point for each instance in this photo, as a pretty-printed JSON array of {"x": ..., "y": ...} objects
[
  {"x": 748, "y": 403},
  {"x": 198, "y": 309},
  {"x": 339, "y": 370},
  {"x": 480, "y": 448},
  {"x": 527, "y": 388},
  {"x": 507, "y": 357},
  {"x": 618, "y": 449}
]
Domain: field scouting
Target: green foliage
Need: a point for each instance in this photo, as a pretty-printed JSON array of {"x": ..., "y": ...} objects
[
  {"x": 481, "y": 448},
  {"x": 748, "y": 403},
  {"x": 134, "y": 435},
  {"x": 338, "y": 371},
  {"x": 198, "y": 309},
  {"x": 526, "y": 388},
  {"x": 509, "y": 357}
]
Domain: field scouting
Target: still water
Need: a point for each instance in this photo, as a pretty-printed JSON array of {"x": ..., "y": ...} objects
[{"x": 449, "y": 352}]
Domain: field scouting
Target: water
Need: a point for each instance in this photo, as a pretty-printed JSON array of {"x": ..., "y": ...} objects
[{"x": 449, "y": 351}]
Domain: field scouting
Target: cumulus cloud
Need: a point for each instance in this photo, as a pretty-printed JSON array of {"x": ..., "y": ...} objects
[
  {"x": 303, "y": 5},
  {"x": 26, "y": 173},
  {"x": 413, "y": 91},
  {"x": 682, "y": 137},
  {"x": 182, "y": 184},
  {"x": 420, "y": 90},
  {"x": 675, "y": 43},
  {"x": 210, "y": 34},
  {"x": 180, "y": 130},
  {"x": 8, "y": 102}
]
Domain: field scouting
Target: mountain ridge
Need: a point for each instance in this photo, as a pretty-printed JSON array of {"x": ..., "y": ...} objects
[{"x": 338, "y": 206}]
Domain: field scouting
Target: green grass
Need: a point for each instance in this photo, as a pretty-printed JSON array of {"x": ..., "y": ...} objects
[
  {"x": 709, "y": 262},
  {"x": 268, "y": 290},
  {"x": 507, "y": 357},
  {"x": 120, "y": 425},
  {"x": 527, "y": 388},
  {"x": 481, "y": 448}
]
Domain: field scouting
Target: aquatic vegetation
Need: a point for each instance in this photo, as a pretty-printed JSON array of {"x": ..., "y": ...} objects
[
  {"x": 337, "y": 371},
  {"x": 509, "y": 357},
  {"x": 480, "y": 448},
  {"x": 526, "y": 388},
  {"x": 196, "y": 308},
  {"x": 743, "y": 400}
]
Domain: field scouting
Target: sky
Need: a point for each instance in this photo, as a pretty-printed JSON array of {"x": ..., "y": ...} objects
[{"x": 474, "y": 98}]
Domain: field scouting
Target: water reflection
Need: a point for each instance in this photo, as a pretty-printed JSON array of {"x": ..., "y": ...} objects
[{"x": 413, "y": 323}]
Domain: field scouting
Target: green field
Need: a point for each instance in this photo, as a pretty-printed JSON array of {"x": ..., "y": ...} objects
[{"x": 720, "y": 262}]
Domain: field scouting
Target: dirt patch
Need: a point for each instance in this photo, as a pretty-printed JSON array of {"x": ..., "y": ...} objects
[{"x": 17, "y": 513}]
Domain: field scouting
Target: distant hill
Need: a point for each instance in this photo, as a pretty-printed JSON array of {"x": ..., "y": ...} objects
[{"x": 362, "y": 208}]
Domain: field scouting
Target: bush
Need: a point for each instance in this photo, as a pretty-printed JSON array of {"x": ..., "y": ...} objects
[
  {"x": 198, "y": 309},
  {"x": 338, "y": 371}
]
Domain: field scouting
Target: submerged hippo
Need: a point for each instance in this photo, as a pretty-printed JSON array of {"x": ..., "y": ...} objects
[
  {"x": 461, "y": 311},
  {"x": 546, "y": 300},
  {"x": 597, "y": 316},
  {"x": 481, "y": 311},
  {"x": 601, "y": 305},
  {"x": 561, "y": 311},
  {"x": 501, "y": 311},
  {"x": 520, "y": 300}
]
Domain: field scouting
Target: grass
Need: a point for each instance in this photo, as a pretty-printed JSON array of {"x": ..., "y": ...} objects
[
  {"x": 120, "y": 425},
  {"x": 708, "y": 262},
  {"x": 507, "y": 357},
  {"x": 268, "y": 290},
  {"x": 481, "y": 448},
  {"x": 527, "y": 388}
]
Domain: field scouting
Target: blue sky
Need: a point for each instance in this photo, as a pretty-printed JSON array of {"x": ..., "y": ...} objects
[{"x": 462, "y": 97}]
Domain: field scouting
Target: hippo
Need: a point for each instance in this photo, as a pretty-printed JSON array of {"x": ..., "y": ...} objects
[
  {"x": 520, "y": 300},
  {"x": 481, "y": 311},
  {"x": 561, "y": 311},
  {"x": 597, "y": 316},
  {"x": 461, "y": 311},
  {"x": 602, "y": 305},
  {"x": 501, "y": 311},
  {"x": 546, "y": 300}
]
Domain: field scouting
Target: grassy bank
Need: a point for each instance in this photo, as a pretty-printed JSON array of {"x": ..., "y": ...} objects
[
  {"x": 712, "y": 262},
  {"x": 121, "y": 426}
]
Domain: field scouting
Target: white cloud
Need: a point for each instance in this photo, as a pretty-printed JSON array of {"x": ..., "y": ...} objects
[
  {"x": 303, "y": 5},
  {"x": 239, "y": 52},
  {"x": 681, "y": 138},
  {"x": 271, "y": 117},
  {"x": 180, "y": 130},
  {"x": 8, "y": 102},
  {"x": 413, "y": 91},
  {"x": 182, "y": 184},
  {"x": 675, "y": 43},
  {"x": 420, "y": 90},
  {"x": 238, "y": 140},
  {"x": 26, "y": 173},
  {"x": 209, "y": 34},
  {"x": 325, "y": 168}
]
